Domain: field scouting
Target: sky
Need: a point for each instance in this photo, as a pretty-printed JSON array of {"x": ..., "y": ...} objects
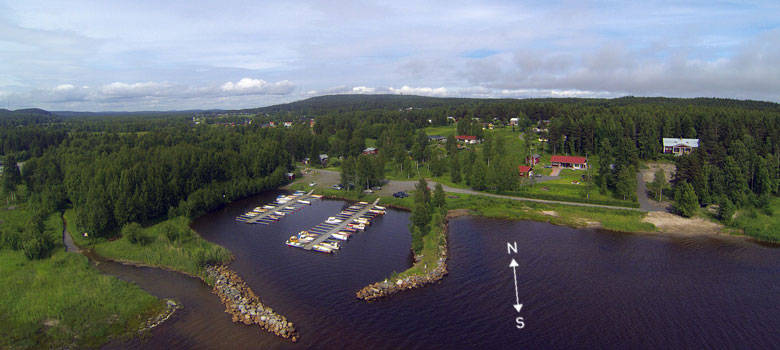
[{"x": 138, "y": 55}]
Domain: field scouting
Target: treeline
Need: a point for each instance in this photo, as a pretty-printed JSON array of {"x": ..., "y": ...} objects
[{"x": 114, "y": 179}]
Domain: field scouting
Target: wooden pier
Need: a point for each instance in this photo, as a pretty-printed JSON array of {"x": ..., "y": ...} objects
[
  {"x": 324, "y": 236},
  {"x": 279, "y": 208}
]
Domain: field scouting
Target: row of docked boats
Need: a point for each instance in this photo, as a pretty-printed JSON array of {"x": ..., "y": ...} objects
[
  {"x": 338, "y": 228},
  {"x": 282, "y": 206}
]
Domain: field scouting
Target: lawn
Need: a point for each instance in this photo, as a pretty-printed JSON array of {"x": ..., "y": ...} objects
[
  {"x": 758, "y": 224},
  {"x": 441, "y": 130},
  {"x": 61, "y": 301},
  {"x": 172, "y": 244}
]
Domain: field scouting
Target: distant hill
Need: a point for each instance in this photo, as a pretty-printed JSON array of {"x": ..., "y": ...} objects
[
  {"x": 346, "y": 103},
  {"x": 137, "y": 113},
  {"x": 349, "y": 103}
]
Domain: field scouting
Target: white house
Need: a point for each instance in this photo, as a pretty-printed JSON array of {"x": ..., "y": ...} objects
[{"x": 679, "y": 147}]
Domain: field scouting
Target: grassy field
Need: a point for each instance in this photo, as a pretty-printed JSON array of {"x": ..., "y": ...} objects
[
  {"x": 441, "y": 130},
  {"x": 172, "y": 244},
  {"x": 757, "y": 224},
  {"x": 61, "y": 301}
]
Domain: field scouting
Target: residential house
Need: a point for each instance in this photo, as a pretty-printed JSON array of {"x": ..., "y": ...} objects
[
  {"x": 514, "y": 121},
  {"x": 370, "y": 151},
  {"x": 436, "y": 138},
  {"x": 472, "y": 140},
  {"x": 525, "y": 171},
  {"x": 533, "y": 159},
  {"x": 290, "y": 176},
  {"x": 569, "y": 162},
  {"x": 324, "y": 159},
  {"x": 288, "y": 124},
  {"x": 679, "y": 147}
]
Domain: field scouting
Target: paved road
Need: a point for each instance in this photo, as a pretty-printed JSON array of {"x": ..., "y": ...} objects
[
  {"x": 326, "y": 178},
  {"x": 641, "y": 193}
]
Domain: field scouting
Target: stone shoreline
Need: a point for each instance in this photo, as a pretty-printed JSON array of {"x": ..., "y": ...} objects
[
  {"x": 387, "y": 288},
  {"x": 241, "y": 302}
]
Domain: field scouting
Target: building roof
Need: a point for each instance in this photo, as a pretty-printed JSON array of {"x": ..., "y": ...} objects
[
  {"x": 323, "y": 156},
  {"x": 569, "y": 159},
  {"x": 523, "y": 168},
  {"x": 672, "y": 142},
  {"x": 465, "y": 137},
  {"x": 370, "y": 149},
  {"x": 436, "y": 137}
]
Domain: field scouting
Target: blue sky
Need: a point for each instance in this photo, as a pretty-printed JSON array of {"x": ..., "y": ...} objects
[{"x": 164, "y": 55}]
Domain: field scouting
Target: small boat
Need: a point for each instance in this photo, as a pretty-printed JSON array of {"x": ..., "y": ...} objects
[
  {"x": 279, "y": 213},
  {"x": 331, "y": 245},
  {"x": 303, "y": 201},
  {"x": 333, "y": 220},
  {"x": 294, "y": 244},
  {"x": 340, "y": 236},
  {"x": 293, "y": 239},
  {"x": 268, "y": 206},
  {"x": 322, "y": 249},
  {"x": 318, "y": 196},
  {"x": 380, "y": 208}
]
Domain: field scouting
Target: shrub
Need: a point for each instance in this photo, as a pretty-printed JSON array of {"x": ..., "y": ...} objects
[
  {"x": 135, "y": 234},
  {"x": 38, "y": 247}
]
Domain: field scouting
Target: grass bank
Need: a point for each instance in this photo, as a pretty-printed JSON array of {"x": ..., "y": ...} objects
[
  {"x": 61, "y": 301},
  {"x": 169, "y": 244},
  {"x": 760, "y": 224}
]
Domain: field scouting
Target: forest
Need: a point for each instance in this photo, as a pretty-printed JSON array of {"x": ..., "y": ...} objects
[{"x": 120, "y": 169}]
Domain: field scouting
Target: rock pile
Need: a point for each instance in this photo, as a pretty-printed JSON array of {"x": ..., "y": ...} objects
[
  {"x": 170, "y": 307},
  {"x": 245, "y": 306},
  {"x": 387, "y": 288}
]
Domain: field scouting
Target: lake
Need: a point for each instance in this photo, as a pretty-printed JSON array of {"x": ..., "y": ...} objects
[{"x": 580, "y": 288}]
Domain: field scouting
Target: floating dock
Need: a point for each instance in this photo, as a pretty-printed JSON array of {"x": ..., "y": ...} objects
[
  {"x": 282, "y": 206},
  {"x": 352, "y": 219}
]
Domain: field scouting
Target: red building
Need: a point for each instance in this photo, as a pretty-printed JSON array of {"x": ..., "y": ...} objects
[
  {"x": 525, "y": 171},
  {"x": 467, "y": 139},
  {"x": 569, "y": 162}
]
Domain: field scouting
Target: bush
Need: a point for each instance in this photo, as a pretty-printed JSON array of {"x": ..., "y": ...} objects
[
  {"x": 38, "y": 247},
  {"x": 210, "y": 256},
  {"x": 135, "y": 234},
  {"x": 726, "y": 210}
]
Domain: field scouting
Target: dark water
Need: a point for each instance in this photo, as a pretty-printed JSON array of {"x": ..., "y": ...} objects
[{"x": 580, "y": 289}]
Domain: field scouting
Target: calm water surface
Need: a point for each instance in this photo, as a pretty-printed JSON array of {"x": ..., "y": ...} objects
[{"x": 580, "y": 288}]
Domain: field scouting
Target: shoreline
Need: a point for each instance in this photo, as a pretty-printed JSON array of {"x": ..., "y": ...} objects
[{"x": 227, "y": 285}]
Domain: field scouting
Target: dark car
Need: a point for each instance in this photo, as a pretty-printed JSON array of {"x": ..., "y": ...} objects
[
  {"x": 400, "y": 194},
  {"x": 337, "y": 187}
]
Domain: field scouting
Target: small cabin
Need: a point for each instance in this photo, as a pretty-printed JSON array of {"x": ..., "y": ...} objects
[
  {"x": 472, "y": 140},
  {"x": 324, "y": 159},
  {"x": 525, "y": 171},
  {"x": 370, "y": 151},
  {"x": 569, "y": 162},
  {"x": 680, "y": 147}
]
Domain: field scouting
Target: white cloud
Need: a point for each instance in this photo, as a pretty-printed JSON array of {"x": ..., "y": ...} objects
[
  {"x": 64, "y": 87},
  {"x": 425, "y": 91},
  {"x": 123, "y": 90},
  {"x": 363, "y": 90},
  {"x": 259, "y": 87}
]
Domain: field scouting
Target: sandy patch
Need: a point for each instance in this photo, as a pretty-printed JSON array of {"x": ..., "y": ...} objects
[
  {"x": 670, "y": 223},
  {"x": 549, "y": 212},
  {"x": 649, "y": 174},
  {"x": 457, "y": 212}
]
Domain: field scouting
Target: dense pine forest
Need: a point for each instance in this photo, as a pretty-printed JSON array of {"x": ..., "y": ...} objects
[{"x": 119, "y": 169}]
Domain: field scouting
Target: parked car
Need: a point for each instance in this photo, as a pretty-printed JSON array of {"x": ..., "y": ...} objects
[
  {"x": 312, "y": 184},
  {"x": 538, "y": 175},
  {"x": 400, "y": 194},
  {"x": 376, "y": 188},
  {"x": 337, "y": 187},
  {"x": 368, "y": 190}
]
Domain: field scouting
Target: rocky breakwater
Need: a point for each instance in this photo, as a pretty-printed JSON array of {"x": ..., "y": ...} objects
[
  {"x": 245, "y": 306},
  {"x": 388, "y": 287}
]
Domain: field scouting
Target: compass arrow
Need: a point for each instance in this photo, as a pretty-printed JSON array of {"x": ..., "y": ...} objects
[{"x": 514, "y": 266}]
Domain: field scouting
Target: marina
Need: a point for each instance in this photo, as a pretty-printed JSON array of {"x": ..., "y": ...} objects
[
  {"x": 283, "y": 205},
  {"x": 328, "y": 236}
]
